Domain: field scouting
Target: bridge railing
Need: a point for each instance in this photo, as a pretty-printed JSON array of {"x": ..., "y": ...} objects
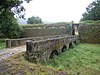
[{"x": 22, "y": 41}]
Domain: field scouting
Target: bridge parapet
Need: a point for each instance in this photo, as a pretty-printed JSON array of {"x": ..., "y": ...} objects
[
  {"x": 22, "y": 41},
  {"x": 42, "y": 50}
]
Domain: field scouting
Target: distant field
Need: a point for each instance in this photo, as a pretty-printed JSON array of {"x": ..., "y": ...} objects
[
  {"x": 2, "y": 43},
  {"x": 83, "y": 59}
]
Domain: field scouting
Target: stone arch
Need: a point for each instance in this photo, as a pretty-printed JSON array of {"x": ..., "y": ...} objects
[
  {"x": 64, "y": 48},
  {"x": 70, "y": 45},
  {"x": 75, "y": 42},
  {"x": 53, "y": 53},
  {"x": 29, "y": 47}
]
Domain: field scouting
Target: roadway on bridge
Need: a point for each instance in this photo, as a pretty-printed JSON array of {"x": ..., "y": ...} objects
[{"x": 5, "y": 53}]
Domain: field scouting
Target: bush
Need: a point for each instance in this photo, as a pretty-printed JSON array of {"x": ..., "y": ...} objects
[{"x": 9, "y": 27}]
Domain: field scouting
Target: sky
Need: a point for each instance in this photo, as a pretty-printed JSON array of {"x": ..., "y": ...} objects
[{"x": 57, "y": 10}]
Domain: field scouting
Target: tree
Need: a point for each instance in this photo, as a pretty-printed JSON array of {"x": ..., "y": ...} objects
[
  {"x": 8, "y": 25},
  {"x": 92, "y": 11},
  {"x": 7, "y": 5},
  {"x": 34, "y": 20}
]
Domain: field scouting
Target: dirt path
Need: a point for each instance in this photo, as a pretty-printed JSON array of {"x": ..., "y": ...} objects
[{"x": 5, "y": 53}]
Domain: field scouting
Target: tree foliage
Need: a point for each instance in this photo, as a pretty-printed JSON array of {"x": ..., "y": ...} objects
[
  {"x": 7, "y": 5},
  {"x": 34, "y": 20},
  {"x": 92, "y": 11},
  {"x": 8, "y": 25}
]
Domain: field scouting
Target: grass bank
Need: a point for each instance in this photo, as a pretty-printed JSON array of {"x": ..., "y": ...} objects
[
  {"x": 84, "y": 59},
  {"x": 2, "y": 43}
]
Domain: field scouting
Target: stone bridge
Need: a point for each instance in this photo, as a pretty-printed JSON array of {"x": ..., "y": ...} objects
[
  {"x": 43, "y": 42},
  {"x": 42, "y": 50}
]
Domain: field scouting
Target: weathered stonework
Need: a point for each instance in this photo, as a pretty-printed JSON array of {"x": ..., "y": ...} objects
[
  {"x": 46, "y": 30},
  {"x": 89, "y": 33},
  {"x": 45, "y": 41},
  {"x": 22, "y": 41},
  {"x": 41, "y": 32},
  {"x": 42, "y": 50}
]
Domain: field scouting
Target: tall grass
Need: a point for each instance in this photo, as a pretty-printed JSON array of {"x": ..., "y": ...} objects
[
  {"x": 2, "y": 43},
  {"x": 84, "y": 59}
]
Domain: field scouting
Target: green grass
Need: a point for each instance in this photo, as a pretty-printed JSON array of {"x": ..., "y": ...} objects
[
  {"x": 83, "y": 59},
  {"x": 17, "y": 65},
  {"x": 2, "y": 43}
]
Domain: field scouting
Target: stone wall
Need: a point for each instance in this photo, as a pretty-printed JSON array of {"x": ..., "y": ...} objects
[
  {"x": 18, "y": 42},
  {"x": 42, "y": 50},
  {"x": 89, "y": 33},
  {"x": 46, "y": 30},
  {"x": 39, "y": 33},
  {"x": 22, "y": 41}
]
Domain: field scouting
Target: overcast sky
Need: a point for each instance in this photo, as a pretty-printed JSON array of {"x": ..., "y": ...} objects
[{"x": 57, "y": 10}]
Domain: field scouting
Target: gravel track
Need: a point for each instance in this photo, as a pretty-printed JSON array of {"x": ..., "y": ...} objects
[{"x": 5, "y": 53}]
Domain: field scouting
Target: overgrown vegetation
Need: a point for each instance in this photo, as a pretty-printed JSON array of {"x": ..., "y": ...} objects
[
  {"x": 83, "y": 59},
  {"x": 2, "y": 43},
  {"x": 17, "y": 65},
  {"x": 92, "y": 11},
  {"x": 8, "y": 25}
]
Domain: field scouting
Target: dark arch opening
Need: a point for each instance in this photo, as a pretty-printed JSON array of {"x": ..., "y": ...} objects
[
  {"x": 64, "y": 48},
  {"x": 75, "y": 42},
  {"x": 54, "y": 53},
  {"x": 28, "y": 47},
  {"x": 73, "y": 29},
  {"x": 70, "y": 45}
]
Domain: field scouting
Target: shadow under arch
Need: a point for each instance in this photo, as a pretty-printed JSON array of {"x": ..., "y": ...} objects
[
  {"x": 75, "y": 42},
  {"x": 53, "y": 53},
  {"x": 64, "y": 48},
  {"x": 70, "y": 45}
]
